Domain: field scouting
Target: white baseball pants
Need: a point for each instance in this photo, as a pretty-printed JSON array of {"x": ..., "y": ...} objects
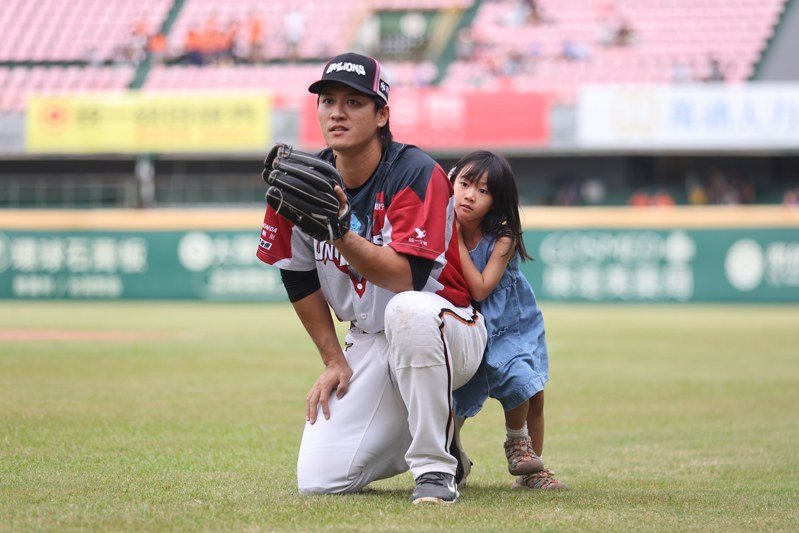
[{"x": 396, "y": 413}]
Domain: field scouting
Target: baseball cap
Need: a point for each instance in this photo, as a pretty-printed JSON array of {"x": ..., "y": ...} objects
[{"x": 362, "y": 73}]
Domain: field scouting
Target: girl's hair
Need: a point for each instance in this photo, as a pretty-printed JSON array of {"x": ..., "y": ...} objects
[{"x": 503, "y": 218}]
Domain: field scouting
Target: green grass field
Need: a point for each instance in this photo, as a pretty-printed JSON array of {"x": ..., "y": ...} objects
[{"x": 658, "y": 417}]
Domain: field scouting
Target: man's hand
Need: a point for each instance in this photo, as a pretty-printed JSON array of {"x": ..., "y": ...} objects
[
  {"x": 335, "y": 377},
  {"x": 301, "y": 189}
]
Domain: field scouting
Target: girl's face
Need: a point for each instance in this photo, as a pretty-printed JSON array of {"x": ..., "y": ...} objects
[{"x": 472, "y": 200}]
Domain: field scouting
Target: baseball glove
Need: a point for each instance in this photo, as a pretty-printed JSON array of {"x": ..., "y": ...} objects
[{"x": 301, "y": 190}]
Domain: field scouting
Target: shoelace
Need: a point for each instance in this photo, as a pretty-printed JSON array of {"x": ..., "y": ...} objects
[
  {"x": 540, "y": 479},
  {"x": 432, "y": 478},
  {"x": 518, "y": 448}
]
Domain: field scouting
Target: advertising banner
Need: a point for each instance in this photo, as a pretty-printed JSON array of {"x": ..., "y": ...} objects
[
  {"x": 689, "y": 117},
  {"x": 735, "y": 265},
  {"x": 607, "y": 265},
  {"x": 148, "y": 123},
  {"x": 439, "y": 120},
  {"x": 106, "y": 265}
]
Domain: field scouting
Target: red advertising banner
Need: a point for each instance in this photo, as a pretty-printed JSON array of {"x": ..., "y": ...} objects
[{"x": 435, "y": 119}]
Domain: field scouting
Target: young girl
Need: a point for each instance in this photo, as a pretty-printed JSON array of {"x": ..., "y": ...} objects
[{"x": 515, "y": 367}]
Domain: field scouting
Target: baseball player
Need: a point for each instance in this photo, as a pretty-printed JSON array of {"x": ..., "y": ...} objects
[{"x": 392, "y": 270}]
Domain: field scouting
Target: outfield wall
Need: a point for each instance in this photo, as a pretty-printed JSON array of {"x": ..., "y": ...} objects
[{"x": 707, "y": 254}]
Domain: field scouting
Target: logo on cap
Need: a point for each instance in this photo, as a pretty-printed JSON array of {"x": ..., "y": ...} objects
[{"x": 347, "y": 67}]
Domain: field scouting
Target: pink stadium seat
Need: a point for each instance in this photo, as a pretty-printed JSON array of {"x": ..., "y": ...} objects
[
  {"x": 18, "y": 83},
  {"x": 665, "y": 32},
  {"x": 51, "y": 24}
]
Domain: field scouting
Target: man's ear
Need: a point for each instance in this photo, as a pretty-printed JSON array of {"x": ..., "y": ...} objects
[{"x": 383, "y": 113}]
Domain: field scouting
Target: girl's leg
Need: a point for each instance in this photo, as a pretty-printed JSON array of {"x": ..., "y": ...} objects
[
  {"x": 543, "y": 480},
  {"x": 515, "y": 418},
  {"x": 535, "y": 422},
  {"x": 518, "y": 447}
]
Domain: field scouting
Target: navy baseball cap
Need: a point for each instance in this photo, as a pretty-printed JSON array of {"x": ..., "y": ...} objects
[{"x": 362, "y": 73}]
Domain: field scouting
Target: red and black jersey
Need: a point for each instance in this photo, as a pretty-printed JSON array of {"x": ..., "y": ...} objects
[{"x": 407, "y": 204}]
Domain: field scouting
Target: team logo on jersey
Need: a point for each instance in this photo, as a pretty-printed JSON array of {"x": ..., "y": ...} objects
[
  {"x": 419, "y": 238},
  {"x": 355, "y": 224},
  {"x": 268, "y": 231},
  {"x": 325, "y": 252}
]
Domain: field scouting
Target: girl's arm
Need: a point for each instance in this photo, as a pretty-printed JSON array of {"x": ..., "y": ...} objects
[{"x": 481, "y": 284}]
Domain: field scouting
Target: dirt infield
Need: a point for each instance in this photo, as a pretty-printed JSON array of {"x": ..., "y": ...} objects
[{"x": 80, "y": 335}]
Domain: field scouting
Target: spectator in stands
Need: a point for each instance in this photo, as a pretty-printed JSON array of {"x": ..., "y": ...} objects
[
  {"x": 624, "y": 33},
  {"x": 719, "y": 190},
  {"x": 142, "y": 28},
  {"x": 744, "y": 188},
  {"x": 465, "y": 45},
  {"x": 639, "y": 198},
  {"x": 533, "y": 11},
  {"x": 662, "y": 198},
  {"x": 569, "y": 193},
  {"x": 593, "y": 191},
  {"x": 211, "y": 25},
  {"x": 617, "y": 31},
  {"x": 790, "y": 198},
  {"x": 255, "y": 29},
  {"x": 93, "y": 56},
  {"x": 515, "y": 16},
  {"x": 734, "y": 190},
  {"x": 695, "y": 191},
  {"x": 217, "y": 43},
  {"x": 294, "y": 32},
  {"x": 156, "y": 47},
  {"x": 574, "y": 50},
  {"x": 715, "y": 72},
  {"x": 213, "y": 39},
  {"x": 134, "y": 50},
  {"x": 513, "y": 63},
  {"x": 193, "y": 47},
  {"x": 605, "y": 33},
  {"x": 226, "y": 52}
]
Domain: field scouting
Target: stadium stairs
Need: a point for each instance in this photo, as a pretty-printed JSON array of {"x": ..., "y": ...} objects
[
  {"x": 778, "y": 61},
  {"x": 144, "y": 67}
]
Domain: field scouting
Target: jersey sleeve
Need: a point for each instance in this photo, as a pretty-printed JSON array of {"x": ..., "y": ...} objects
[
  {"x": 419, "y": 216},
  {"x": 283, "y": 245}
]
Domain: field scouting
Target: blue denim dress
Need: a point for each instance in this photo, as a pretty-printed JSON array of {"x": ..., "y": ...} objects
[{"x": 515, "y": 366}]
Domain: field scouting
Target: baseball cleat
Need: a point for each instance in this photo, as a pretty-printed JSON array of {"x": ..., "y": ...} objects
[
  {"x": 521, "y": 456},
  {"x": 435, "y": 487}
]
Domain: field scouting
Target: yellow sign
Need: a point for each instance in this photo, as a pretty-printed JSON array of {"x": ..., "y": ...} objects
[{"x": 149, "y": 123}]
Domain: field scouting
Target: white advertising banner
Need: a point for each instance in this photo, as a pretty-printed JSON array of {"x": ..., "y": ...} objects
[{"x": 689, "y": 117}]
